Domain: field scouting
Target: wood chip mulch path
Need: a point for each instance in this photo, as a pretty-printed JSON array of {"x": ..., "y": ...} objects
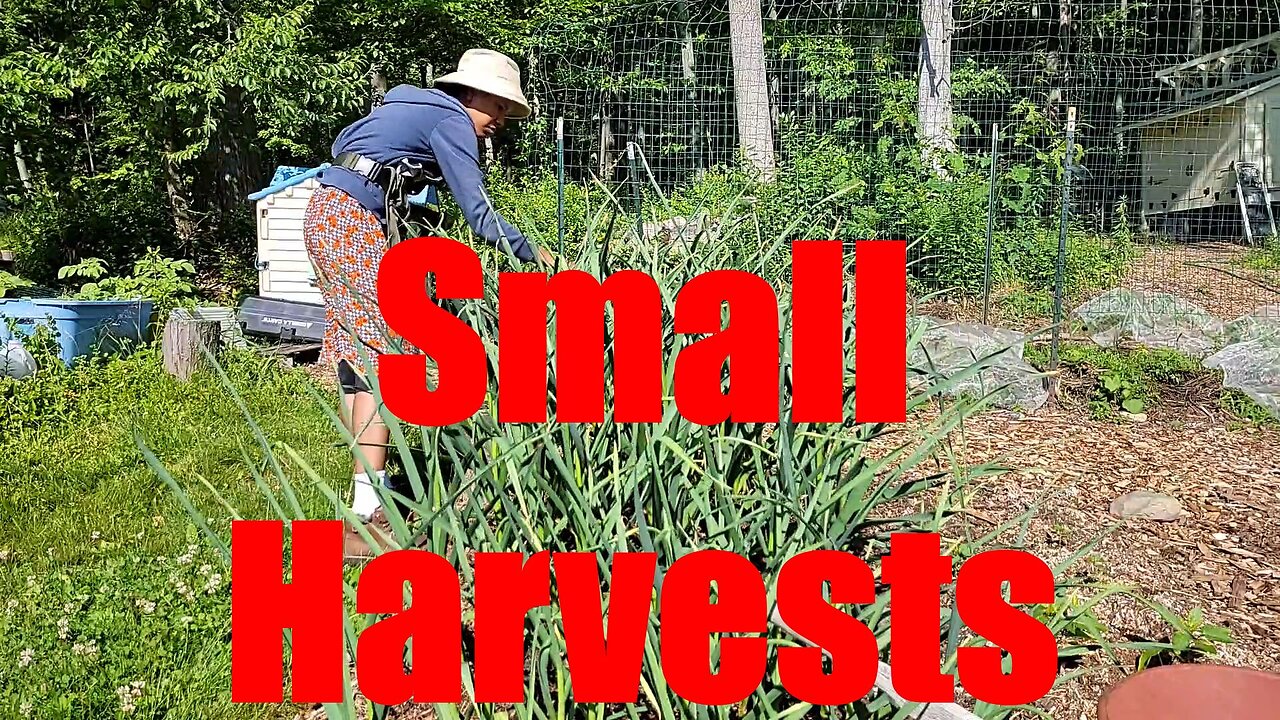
[{"x": 1222, "y": 555}]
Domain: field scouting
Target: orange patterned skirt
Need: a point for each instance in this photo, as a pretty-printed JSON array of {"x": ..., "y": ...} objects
[{"x": 345, "y": 243}]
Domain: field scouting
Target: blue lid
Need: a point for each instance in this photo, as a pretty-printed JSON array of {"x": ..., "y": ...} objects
[
  {"x": 284, "y": 172},
  {"x": 287, "y": 176}
]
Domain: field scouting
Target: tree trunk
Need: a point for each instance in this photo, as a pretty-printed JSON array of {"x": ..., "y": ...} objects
[
  {"x": 933, "y": 108},
  {"x": 377, "y": 85},
  {"x": 605, "y": 163},
  {"x": 1195, "y": 44},
  {"x": 687, "y": 63},
  {"x": 88, "y": 144},
  {"x": 1063, "y": 56},
  {"x": 23, "y": 175},
  {"x": 238, "y": 164},
  {"x": 177, "y": 188},
  {"x": 185, "y": 341},
  {"x": 751, "y": 89}
]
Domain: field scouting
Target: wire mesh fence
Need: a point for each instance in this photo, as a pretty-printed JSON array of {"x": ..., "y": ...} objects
[{"x": 946, "y": 123}]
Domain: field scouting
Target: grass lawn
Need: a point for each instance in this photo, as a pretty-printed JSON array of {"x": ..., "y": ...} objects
[{"x": 108, "y": 599}]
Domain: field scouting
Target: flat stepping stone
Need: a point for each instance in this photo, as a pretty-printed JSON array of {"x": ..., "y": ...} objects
[{"x": 1147, "y": 505}]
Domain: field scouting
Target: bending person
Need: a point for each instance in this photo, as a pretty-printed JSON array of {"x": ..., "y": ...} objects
[{"x": 415, "y": 138}]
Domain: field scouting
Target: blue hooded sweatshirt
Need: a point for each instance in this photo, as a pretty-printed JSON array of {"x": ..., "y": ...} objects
[{"x": 428, "y": 126}]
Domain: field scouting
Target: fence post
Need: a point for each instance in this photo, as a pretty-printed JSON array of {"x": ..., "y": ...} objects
[
  {"x": 991, "y": 210},
  {"x": 1067, "y": 169},
  {"x": 560, "y": 186}
]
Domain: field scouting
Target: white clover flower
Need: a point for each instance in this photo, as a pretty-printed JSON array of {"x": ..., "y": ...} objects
[
  {"x": 4, "y": 554},
  {"x": 68, "y": 608},
  {"x": 25, "y": 708},
  {"x": 215, "y": 581},
  {"x": 128, "y": 694},
  {"x": 186, "y": 592},
  {"x": 12, "y": 604},
  {"x": 87, "y": 649},
  {"x": 146, "y": 606},
  {"x": 64, "y": 629},
  {"x": 96, "y": 536},
  {"x": 31, "y": 581},
  {"x": 25, "y": 657}
]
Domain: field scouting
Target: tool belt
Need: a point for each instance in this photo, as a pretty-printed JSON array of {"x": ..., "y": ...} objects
[{"x": 398, "y": 180}]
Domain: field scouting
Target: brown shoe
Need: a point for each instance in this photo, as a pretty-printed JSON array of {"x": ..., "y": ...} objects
[{"x": 357, "y": 551}]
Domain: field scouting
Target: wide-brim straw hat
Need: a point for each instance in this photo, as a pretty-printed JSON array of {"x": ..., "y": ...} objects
[{"x": 492, "y": 72}]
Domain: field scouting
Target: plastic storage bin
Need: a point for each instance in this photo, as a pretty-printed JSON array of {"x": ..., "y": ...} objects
[
  {"x": 83, "y": 326},
  {"x": 283, "y": 319}
]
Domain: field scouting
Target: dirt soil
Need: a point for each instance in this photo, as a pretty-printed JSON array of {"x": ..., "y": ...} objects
[{"x": 1222, "y": 556}]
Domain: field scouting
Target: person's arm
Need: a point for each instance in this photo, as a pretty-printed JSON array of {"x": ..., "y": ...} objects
[{"x": 454, "y": 145}]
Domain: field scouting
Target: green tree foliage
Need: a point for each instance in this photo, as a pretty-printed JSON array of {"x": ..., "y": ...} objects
[
  {"x": 145, "y": 123},
  {"x": 148, "y": 122}
]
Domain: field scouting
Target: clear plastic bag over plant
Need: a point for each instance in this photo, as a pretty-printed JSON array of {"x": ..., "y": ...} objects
[
  {"x": 1253, "y": 367},
  {"x": 1262, "y": 324},
  {"x": 947, "y": 348},
  {"x": 1151, "y": 319}
]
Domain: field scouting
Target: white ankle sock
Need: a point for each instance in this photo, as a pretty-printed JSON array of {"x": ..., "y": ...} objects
[{"x": 365, "y": 500}]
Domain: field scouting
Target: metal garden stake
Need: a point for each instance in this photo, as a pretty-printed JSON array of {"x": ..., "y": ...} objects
[
  {"x": 991, "y": 210},
  {"x": 560, "y": 185},
  {"x": 1068, "y": 167}
]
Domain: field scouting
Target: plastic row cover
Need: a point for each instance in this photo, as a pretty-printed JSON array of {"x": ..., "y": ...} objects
[
  {"x": 1152, "y": 319},
  {"x": 1246, "y": 349},
  {"x": 947, "y": 349}
]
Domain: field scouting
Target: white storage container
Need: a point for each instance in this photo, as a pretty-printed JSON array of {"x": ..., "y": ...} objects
[{"x": 284, "y": 270}]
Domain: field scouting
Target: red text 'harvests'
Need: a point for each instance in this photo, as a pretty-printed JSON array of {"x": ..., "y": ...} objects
[
  {"x": 606, "y": 667},
  {"x": 749, "y": 342}
]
